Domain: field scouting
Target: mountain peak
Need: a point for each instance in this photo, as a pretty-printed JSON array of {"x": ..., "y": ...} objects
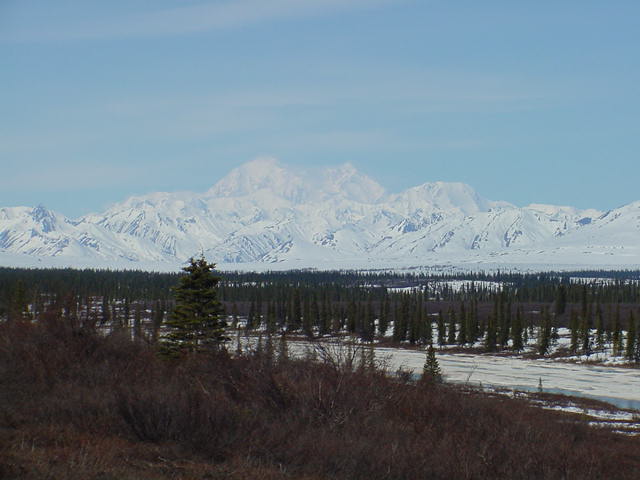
[
  {"x": 298, "y": 185},
  {"x": 347, "y": 181},
  {"x": 263, "y": 173},
  {"x": 261, "y": 165},
  {"x": 445, "y": 196}
]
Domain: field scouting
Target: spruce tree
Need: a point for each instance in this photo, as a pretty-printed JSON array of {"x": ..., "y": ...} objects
[
  {"x": 636, "y": 351},
  {"x": 258, "y": 312},
  {"x": 472, "y": 323},
  {"x": 573, "y": 327},
  {"x": 195, "y": 324},
  {"x": 584, "y": 300},
  {"x": 157, "y": 318},
  {"x": 498, "y": 310},
  {"x": 616, "y": 334},
  {"x": 352, "y": 313},
  {"x": 417, "y": 319},
  {"x": 608, "y": 327},
  {"x": 307, "y": 320},
  {"x": 561, "y": 300},
  {"x": 295, "y": 311},
  {"x": 585, "y": 332},
  {"x": 324, "y": 324},
  {"x": 516, "y": 331},
  {"x": 462, "y": 333},
  {"x": 599, "y": 329},
  {"x": 505, "y": 321},
  {"x": 426, "y": 330},
  {"x": 492, "y": 336},
  {"x": 126, "y": 313},
  {"x": 403, "y": 323},
  {"x": 441, "y": 329},
  {"x": 631, "y": 337},
  {"x": 251, "y": 317},
  {"x": 431, "y": 372},
  {"x": 482, "y": 326},
  {"x": 544, "y": 333},
  {"x": 369, "y": 323},
  {"x": 451, "y": 333},
  {"x": 105, "y": 311},
  {"x": 271, "y": 319},
  {"x": 19, "y": 305},
  {"x": 137, "y": 322},
  {"x": 235, "y": 314},
  {"x": 383, "y": 321}
]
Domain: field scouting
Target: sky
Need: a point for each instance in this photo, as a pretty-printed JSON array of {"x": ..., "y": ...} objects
[{"x": 528, "y": 102}]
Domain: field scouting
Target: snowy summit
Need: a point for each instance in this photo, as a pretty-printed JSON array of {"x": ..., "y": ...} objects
[{"x": 265, "y": 212}]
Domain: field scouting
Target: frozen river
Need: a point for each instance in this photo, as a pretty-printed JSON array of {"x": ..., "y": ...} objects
[
  {"x": 615, "y": 385},
  {"x": 620, "y": 386}
]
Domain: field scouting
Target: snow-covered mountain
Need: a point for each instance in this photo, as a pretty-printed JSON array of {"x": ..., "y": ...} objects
[{"x": 264, "y": 212}]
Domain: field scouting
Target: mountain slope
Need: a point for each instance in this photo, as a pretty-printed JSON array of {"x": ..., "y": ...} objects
[{"x": 265, "y": 212}]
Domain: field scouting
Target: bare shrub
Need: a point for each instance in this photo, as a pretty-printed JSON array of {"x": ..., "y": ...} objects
[{"x": 111, "y": 408}]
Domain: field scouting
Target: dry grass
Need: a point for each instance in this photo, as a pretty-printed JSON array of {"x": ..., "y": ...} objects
[{"x": 75, "y": 405}]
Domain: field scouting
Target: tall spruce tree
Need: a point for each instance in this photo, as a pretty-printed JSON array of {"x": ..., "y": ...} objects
[
  {"x": 574, "y": 328},
  {"x": 235, "y": 315},
  {"x": 516, "y": 331},
  {"x": 492, "y": 336},
  {"x": 352, "y": 313},
  {"x": 431, "y": 372},
  {"x": 451, "y": 331},
  {"x": 196, "y": 323},
  {"x": 599, "y": 329},
  {"x": 616, "y": 335},
  {"x": 585, "y": 333},
  {"x": 307, "y": 320},
  {"x": 505, "y": 320},
  {"x": 631, "y": 337},
  {"x": 462, "y": 333},
  {"x": 426, "y": 329},
  {"x": 324, "y": 323},
  {"x": 544, "y": 333},
  {"x": 561, "y": 300},
  {"x": 383, "y": 322},
  {"x": 251, "y": 317},
  {"x": 19, "y": 305},
  {"x": 271, "y": 319},
  {"x": 441, "y": 329},
  {"x": 472, "y": 321},
  {"x": 105, "y": 311}
]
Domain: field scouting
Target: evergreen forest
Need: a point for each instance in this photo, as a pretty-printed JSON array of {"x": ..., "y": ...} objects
[{"x": 506, "y": 312}]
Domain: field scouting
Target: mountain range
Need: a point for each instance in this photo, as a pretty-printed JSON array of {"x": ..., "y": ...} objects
[{"x": 269, "y": 215}]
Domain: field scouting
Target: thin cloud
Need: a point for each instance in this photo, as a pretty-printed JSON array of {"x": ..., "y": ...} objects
[
  {"x": 72, "y": 176},
  {"x": 220, "y": 15}
]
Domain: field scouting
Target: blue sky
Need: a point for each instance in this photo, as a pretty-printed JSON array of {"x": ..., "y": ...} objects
[{"x": 525, "y": 101}]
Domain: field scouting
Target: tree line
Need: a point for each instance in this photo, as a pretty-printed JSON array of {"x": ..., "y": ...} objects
[{"x": 496, "y": 311}]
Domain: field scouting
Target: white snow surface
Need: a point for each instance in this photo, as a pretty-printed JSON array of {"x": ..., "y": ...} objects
[
  {"x": 615, "y": 385},
  {"x": 264, "y": 215}
]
